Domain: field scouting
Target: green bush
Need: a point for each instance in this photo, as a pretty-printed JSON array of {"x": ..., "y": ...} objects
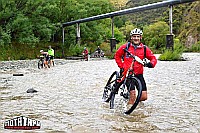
[
  {"x": 110, "y": 55},
  {"x": 5, "y": 38},
  {"x": 170, "y": 55},
  {"x": 75, "y": 49},
  {"x": 194, "y": 48},
  {"x": 173, "y": 55},
  {"x": 178, "y": 46}
]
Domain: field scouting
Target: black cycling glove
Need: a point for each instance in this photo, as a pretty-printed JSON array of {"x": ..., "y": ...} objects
[{"x": 149, "y": 65}]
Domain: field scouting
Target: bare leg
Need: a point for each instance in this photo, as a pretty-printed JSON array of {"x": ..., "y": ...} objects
[
  {"x": 45, "y": 64},
  {"x": 51, "y": 63},
  {"x": 132, "y": 97},
  {"x": 144, "y": 96}
]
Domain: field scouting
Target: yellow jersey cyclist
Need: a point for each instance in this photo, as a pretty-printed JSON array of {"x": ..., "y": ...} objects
[{"x": 51, "y": 55}]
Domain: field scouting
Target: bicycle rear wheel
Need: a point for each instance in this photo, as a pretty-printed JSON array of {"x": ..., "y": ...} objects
[
  {"x": 40, "y": 64},
  {"x": 123, "y": 85},
  {"x": 109, "y": 87}
]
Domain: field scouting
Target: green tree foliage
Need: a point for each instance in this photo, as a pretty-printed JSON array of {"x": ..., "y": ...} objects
[
  {"x": 22, "y": 30},
  {"x": 185, "y": 19},
  {"x": 194, "y": 48},
  {"x": 5, "y": 37},
  {"x": 147, "y": 17},
  {"x": 155, "y": 35},
  {"x": 126, "y": 29},
  {"x": 190, "y": 24},
  {"x": 75, "y": 49},
  {"x": 33, "y": 21},
  {"x": 36, "y": 22}
]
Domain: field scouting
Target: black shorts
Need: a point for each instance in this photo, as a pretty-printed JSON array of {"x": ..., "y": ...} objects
[
  {"x": 141, "y": 78},
  {"x": 51, "y": 57},
  {"x": 47, "y": 58}
]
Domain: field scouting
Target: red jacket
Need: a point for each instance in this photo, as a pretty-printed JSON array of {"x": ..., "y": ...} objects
[
  {"x": 85, "y": 52},
  {"x": 138, "y": 51}
]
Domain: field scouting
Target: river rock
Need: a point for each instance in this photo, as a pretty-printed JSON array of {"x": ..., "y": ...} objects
[{"x": 31, "y": 90}]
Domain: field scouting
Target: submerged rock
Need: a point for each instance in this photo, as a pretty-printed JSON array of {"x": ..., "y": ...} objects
[
  {"x": 18, "y": 74},
  {"x": 31, "y": 90}
]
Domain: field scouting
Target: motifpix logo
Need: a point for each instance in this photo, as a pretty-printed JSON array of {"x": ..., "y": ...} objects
[{"x": 22, "y": 123}]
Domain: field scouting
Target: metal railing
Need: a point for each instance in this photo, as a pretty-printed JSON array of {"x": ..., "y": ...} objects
[{"x": 129, "y": 10}]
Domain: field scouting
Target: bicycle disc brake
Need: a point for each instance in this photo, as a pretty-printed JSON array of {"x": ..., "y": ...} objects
[{"x": 124, "y": 92}]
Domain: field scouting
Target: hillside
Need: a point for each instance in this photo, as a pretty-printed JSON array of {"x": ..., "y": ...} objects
[
  {"x": 190, "y": 25},
  {"x": 186, "y": 22}
]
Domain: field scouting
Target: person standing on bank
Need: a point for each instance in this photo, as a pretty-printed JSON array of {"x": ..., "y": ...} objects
[
  {"x": 51, "y": 54},
  {"x": 136, "y": 47},
  {"x": 85, "y": 54}
]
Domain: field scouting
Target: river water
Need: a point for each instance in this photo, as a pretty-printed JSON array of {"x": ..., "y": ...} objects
[{"x": 69, "y": 98}]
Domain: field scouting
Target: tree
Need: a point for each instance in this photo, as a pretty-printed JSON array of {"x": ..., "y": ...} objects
[
  {"x": 126, "y": 29},
  {"x": 155, "y": 35}
]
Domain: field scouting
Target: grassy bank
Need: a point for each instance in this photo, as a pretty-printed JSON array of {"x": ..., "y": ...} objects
[{"x": 17, "y": 51}]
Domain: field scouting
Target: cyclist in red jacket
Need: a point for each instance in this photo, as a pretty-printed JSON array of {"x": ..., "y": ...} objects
[
  {"x": 135, "y": 47},
  {"x": 85, "y": 54}
]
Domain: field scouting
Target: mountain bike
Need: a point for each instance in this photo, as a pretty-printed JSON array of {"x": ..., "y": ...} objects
[
  {"x": 41, "y": 62},
  {"x": 99, "y": 55},
  {"x": 121, "y": 84}
]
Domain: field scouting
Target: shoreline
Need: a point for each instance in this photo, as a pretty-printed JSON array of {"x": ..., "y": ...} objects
[{"x": 20, "y": 64}]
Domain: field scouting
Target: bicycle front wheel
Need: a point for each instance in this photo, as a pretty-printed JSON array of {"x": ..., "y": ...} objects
[
  {"x": 109, "y": 87},
  {"x": 125, "y": 86}
]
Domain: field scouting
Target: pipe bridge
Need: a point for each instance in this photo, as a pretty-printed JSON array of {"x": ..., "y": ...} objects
[{"x": 167, "y": 3}]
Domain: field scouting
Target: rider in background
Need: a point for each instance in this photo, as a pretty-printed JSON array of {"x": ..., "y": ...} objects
[
  {"x": 85, "y": 53},
  {"x": 98, "y": 51},
  {"x": 51, "y": 53},
  {"x": 46, "y": 57},
  {"x": 136, "y": 48}
]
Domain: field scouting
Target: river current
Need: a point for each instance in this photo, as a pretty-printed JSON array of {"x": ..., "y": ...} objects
[{"x": 69, "y": 98}]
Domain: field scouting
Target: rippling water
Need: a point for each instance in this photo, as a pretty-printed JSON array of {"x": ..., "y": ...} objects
[{"x": 69, "y": 98}]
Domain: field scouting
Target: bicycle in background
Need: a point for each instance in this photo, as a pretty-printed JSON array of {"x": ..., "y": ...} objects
[
  {"x": 41, "y": 62},
  {"x": 46, "y": 60}
]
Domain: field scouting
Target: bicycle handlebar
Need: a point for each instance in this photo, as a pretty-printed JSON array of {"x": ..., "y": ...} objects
[{"x": 135, "y": 57}]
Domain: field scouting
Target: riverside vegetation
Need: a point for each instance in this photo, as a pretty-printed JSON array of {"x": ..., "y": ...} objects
[{"x": 26, "y": 27}]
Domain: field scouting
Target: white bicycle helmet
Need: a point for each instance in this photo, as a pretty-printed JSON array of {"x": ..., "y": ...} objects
[
  {"x": 136, "y": 31},
  {"x": 41, "y": 50}
]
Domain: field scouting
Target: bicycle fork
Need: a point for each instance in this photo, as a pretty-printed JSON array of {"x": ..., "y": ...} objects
[{"x": 124, "y": 92}]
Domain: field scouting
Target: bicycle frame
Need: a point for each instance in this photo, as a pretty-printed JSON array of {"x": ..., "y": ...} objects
[
  {"x": 130, "y": 72},
  {"x": 121, "y": 83},
  {"x": 126, "y": 75}
]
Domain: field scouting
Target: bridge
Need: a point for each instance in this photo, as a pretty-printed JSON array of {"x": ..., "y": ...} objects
[{"x": 167, "y": 3}]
